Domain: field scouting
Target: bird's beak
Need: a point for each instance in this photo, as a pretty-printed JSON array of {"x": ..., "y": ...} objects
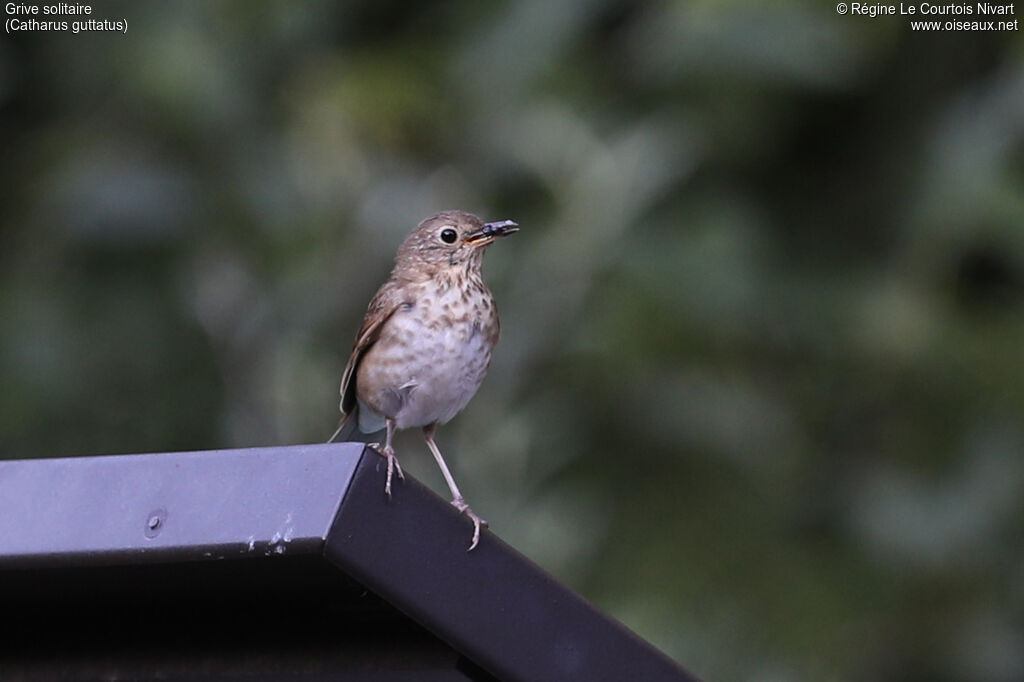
[{"x": 491, "y": 231}]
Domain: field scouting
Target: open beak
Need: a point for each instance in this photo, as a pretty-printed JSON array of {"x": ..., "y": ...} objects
[{"x": 491, "y": 231}]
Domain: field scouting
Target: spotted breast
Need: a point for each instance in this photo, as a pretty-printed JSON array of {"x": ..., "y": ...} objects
[{"x": 432, "y": 354}]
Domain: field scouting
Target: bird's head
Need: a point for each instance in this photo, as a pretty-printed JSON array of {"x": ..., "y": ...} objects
[{"x": 450, "y": 239}]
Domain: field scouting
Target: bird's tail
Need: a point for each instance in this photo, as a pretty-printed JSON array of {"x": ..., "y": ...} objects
[{"x": 347, "y": 428}]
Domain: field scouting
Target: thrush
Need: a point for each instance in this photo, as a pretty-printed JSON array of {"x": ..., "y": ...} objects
[{"x": 426, "y": 341}]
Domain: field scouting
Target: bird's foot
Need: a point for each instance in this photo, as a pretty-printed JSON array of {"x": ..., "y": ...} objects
[
  {"x": 464, "y": 509},
  {"x": 388, "y": 453}
]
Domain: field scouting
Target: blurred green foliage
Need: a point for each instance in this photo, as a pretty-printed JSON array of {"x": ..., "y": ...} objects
[{"x": 761, "y": 384}]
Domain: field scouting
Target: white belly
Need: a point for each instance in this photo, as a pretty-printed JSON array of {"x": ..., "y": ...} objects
[{"x": 422, "y": 371}]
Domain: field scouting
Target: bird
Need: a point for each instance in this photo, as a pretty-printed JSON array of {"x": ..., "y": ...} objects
[{"x": 425, "y": 343}]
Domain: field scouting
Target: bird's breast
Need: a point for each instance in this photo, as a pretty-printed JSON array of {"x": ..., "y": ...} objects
[{"x": 431, "y": 356}]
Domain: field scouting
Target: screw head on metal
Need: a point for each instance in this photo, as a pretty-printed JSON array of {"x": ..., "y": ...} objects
[{"x": 155, "y": 522}]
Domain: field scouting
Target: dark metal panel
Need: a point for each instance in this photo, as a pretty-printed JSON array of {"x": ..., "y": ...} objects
[
  {"x": 290, "y": 617},
  {"x": 492, "y": 604},
  {"x": 173, "y": 506}
]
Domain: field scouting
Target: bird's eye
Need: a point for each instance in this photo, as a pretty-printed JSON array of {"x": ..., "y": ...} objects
[{"x": 448, "y": 235}]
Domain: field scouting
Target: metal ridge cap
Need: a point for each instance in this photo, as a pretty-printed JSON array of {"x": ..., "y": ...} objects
[{"x": 201, "y": 505}]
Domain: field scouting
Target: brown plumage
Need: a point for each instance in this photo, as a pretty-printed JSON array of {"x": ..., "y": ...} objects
[{"x": 426, "y": 340}]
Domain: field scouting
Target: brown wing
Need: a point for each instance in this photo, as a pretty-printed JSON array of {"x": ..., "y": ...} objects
[{"x": 381, "y": 308}]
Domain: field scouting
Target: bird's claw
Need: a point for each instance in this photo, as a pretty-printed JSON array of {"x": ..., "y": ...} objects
[
  {"x": 464, "y": 509},
  {"x": 388, "y": 453}
]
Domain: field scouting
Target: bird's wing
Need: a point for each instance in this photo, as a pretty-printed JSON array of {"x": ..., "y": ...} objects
[{"x": 380, "y": 310}]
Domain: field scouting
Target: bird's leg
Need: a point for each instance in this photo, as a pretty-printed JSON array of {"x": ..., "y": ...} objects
[
  {"x": 457, "y": 500},
  {"x": 388, "y": 453}
]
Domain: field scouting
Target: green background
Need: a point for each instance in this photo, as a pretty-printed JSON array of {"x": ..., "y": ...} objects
[{"x": 760, "y": 388}]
